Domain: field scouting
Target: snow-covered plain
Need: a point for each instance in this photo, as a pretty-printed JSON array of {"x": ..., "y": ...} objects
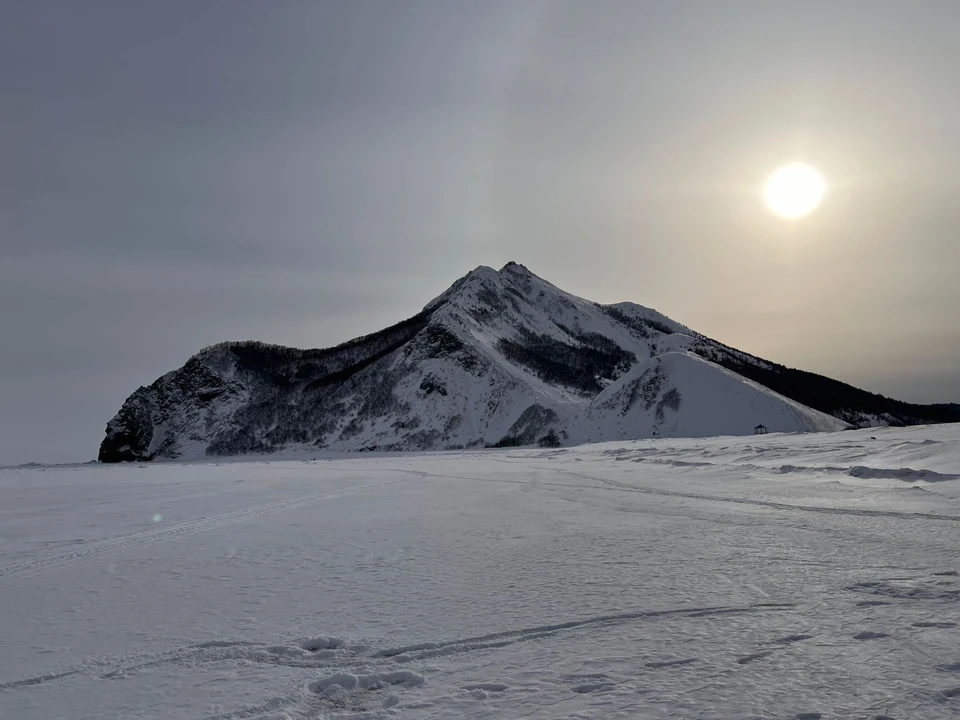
[{"x": 785, "y": 576}]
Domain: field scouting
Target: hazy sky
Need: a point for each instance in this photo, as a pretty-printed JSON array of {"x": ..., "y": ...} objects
[{"x": 174, "y": 174}]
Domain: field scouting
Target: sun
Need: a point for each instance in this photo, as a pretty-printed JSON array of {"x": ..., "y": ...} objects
[{"x": 794, "y": 190}]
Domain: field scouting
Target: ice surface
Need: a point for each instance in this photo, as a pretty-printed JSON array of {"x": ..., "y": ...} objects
[{"x": 784, "y": 576}]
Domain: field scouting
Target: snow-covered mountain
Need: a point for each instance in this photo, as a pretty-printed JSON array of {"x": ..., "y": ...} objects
[{"x": 501, "y": 358}]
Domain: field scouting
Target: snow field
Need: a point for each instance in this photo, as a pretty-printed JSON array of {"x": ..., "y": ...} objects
[{"x": 785, "y": 576}]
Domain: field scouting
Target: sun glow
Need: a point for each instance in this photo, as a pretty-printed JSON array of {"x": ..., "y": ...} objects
[{"x": 794, "y": 190}]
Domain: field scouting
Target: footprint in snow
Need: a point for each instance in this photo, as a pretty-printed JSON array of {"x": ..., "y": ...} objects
[
  {"x": 750, "y": 658},
  {"x": 670, "y": 663},
  {"x": 344, "y": 681},
  {"x": 592, "y": 687},
  {"x": 322, "y": 643},
  {"x": 792, "y": 639},
  {"x": 931, "y": 624}
]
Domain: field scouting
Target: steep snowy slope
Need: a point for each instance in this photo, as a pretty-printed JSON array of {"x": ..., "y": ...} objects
[
  {"x": 679, "y": 394},
  {"x": 500, "y": 358}
]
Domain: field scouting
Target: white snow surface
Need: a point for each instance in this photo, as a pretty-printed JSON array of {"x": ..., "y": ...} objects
[
  {"x": 708, "y": 400},
  {"x": 783, "y": 576}
]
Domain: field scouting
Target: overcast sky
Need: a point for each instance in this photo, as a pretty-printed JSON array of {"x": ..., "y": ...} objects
[{"x": 174, "y": 174}]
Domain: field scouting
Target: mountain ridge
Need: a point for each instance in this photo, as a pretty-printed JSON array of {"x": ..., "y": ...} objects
[{"x": 499, "y": 358}]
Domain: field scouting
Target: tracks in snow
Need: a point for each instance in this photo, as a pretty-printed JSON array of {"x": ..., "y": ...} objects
[
  {"x": 502, "y": 639},
  {"x": 98, "y": 549},
  {"x": 761, "y": 503},
  {"x": 338, "y": 655},
  {"x": 613, "y": 485}
]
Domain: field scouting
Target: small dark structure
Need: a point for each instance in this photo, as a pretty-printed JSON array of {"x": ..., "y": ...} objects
[{"x": 760, "y": 430}]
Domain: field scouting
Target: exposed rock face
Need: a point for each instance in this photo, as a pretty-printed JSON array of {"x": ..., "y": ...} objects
[{"x": 501, "y": 358}]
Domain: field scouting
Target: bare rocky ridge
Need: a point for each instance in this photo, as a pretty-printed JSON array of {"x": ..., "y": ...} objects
[{"x": 501, "y": 358}]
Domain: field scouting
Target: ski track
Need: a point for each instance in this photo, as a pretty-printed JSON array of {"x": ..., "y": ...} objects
[{"x": 98, "y": 549}]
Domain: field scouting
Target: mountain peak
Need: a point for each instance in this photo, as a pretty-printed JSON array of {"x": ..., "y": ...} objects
[
  {"x": 516, "y": 268},
  {"x": 511, "y": 268},
  {"x": 485, "y": 277}
]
